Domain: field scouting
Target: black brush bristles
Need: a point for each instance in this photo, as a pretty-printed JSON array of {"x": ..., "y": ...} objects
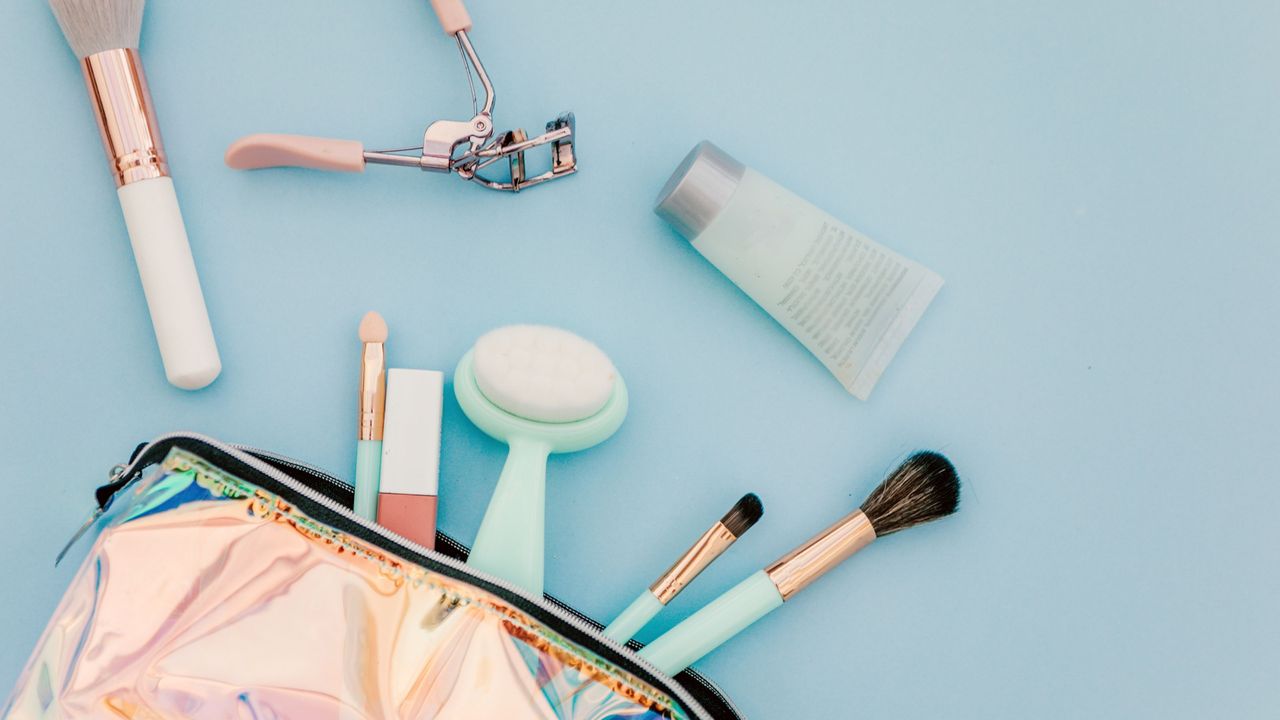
[
  {"x": 924, "y": 487},
  {"x": 743, "y": 515}
]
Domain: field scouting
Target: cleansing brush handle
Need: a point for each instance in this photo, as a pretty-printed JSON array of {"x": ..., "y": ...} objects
[
  {"x": 510, "y": 541},
  {"x": 453, "y": 15},
  {"x": 266, "y": 150},
  {"x": 710, "y": 627},
  {"x": 169, "y": 280}
]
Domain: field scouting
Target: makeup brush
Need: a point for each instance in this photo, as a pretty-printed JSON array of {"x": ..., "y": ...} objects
[
  {"x": 373, "y": 404},
  {"x": 924, "y": 487},
  {"x": 104, "y": 35},
  {"x": 713, "y": 542}
]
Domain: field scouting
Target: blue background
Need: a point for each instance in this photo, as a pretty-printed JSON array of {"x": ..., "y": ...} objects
[{"x": 1097, "y": 182}]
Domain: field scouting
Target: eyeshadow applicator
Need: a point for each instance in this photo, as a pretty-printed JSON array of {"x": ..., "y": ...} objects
[
  {"x": 105, "y": 34},
  {"x": 740, "y": 518},
  {"x": 373, "y": 404},
  {"x": 924, "y": 487}
]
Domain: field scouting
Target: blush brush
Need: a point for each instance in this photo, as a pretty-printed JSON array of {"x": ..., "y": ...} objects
[
  {"x": 105, "y": 34},
  {"x": 923, "y": 488},
  {"x": 710, "y": 546}
]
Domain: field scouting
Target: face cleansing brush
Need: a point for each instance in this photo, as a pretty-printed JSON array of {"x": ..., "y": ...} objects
[{"x": 541, "y": 390}]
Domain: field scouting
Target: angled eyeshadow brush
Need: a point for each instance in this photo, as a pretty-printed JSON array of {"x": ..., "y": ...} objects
[{"x": 710, "y": 546}]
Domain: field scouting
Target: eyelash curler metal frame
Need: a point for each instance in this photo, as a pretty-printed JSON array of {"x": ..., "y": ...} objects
[{"x": 465, "y": 147}]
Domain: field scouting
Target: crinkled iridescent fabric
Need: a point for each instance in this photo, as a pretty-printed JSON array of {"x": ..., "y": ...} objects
[{"x": 205, "y": 597}]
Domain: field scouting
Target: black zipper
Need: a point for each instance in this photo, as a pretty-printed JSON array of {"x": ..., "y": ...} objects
[{"x": 710, "y": 700}]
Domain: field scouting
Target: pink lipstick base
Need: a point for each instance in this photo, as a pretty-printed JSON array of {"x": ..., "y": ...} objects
[{"x": 413, "y": 516}]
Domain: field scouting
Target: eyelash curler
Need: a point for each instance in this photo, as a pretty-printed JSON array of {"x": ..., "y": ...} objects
[{"x": 467, "y": 147}]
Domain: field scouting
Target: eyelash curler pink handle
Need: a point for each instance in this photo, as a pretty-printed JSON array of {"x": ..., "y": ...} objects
[
  {"x": 453, "y": 15},
  {"x": 266, "y": 150},
  {"x": 464, "y": 147}
]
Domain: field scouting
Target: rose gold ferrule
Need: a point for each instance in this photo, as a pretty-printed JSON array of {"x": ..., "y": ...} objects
[
  {"x": 824, "y": 551},
  {"x": 708, "y": 547},
  {"x": 130, "y": 134},
  {"x": 373, "y": 391}
]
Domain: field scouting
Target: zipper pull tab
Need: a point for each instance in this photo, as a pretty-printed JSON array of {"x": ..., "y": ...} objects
[{"x": 113, "y": 477}]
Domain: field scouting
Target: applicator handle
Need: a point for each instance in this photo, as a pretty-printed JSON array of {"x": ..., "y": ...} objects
[
  {"x": 453, "y": 15},
  {"x": 715, "y": 623},
  {"x": 169, "y": 280},
  {"x": 368, "y": 472}
]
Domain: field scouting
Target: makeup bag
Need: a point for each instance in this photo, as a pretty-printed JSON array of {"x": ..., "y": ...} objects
[{"x": 225, "y": 582}]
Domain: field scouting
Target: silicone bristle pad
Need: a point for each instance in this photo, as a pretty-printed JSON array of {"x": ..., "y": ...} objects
[{"x": 543, "y": 373}]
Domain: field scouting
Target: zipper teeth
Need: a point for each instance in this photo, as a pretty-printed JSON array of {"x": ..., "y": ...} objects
[
  {"x": 243, "y": 454},
  {"x": 295, "y": 464},
  {"x": 329, "y": 479},
  {"x": 714, "y": 689},
  {"x": 338, "y": 483}
]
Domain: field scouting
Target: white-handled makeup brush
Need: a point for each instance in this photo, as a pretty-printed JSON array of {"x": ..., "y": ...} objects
[
  {"x": 924, "y": 487},
  {"x": 104, "y": 35},
  {"x": 740, "y": 518}
]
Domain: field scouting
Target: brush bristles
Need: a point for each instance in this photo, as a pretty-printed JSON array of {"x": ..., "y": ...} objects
[
  {"x": 92, "y": 26},
  {"x": 743, "y": 515},
  {"x": 924, "y": 487}
]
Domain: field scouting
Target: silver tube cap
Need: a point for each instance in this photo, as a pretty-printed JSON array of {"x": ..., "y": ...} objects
[{"x": 699, "y": 189}]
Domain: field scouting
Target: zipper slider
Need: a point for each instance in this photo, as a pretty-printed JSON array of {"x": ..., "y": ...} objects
[{"x": 113, "y": 477}]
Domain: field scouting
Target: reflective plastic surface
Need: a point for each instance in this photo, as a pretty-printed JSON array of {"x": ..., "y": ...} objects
[{"x": 205, "y": 596}]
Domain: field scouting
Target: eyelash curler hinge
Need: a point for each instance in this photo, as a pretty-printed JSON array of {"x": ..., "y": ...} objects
[{"x": 468, "y": 148}]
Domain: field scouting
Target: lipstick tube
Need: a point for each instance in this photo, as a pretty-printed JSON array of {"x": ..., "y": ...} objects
[{"x": 409, "y": 477}]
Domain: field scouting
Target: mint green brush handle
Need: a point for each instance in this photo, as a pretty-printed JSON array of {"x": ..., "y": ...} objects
[
  {"x": 510, "y": 542},
  {"x": 368, "y": 469},
  {"x": 710, "y": 627},
  {"x": 511, "y": 537},
  {"x": 634, "y": 618}
]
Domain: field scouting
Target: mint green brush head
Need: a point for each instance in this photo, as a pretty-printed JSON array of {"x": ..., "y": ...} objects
[{"x": 541, "y": 390}]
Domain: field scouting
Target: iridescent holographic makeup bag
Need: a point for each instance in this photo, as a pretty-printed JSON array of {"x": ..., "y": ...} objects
[{"x": 229, "y": 583}]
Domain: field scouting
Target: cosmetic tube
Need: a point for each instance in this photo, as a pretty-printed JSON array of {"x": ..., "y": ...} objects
[{"x": 849, "y": 300}]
